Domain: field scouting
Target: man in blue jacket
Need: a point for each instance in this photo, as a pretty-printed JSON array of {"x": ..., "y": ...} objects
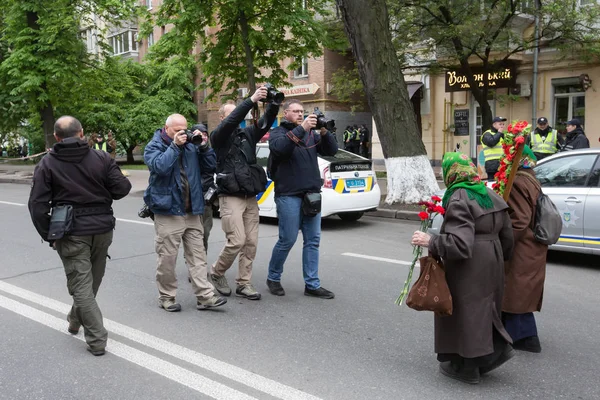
[
  {"x": 174, "y": 195},
  {"x": 295, "y": 170}
]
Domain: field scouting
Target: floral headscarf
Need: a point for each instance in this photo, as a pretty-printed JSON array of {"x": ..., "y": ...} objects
[
  {"x": 528, "y": 159},
  {"x": 460, "y": 173}
]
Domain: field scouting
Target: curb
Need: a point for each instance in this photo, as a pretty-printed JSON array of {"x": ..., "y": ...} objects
[
  {"x": 24, "y": 181},
  {"x": 394, "y": 214}
]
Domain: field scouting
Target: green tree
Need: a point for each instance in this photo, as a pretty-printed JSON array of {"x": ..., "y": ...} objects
[
  {"x": 42, "y": 56},
  {"x": 239, "y": 41}
]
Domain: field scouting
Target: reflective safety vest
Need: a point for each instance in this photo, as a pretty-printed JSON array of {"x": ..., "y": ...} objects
[
  {"x": 491, "y": 153},
  {"x": 545, "y": 146},
  {"x": 97, "y": 146}
]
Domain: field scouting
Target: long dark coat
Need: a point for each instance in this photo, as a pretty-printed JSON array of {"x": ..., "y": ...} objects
[
  {"x": 473, "y": 243},
  {"x": 525, "y": 273}
]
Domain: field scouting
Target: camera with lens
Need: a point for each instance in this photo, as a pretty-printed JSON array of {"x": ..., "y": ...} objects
[
  {"x": 323, "y": 122},
  {"x": 145, "y": 212},
  {"x": 273, "y": 95},
  {"x": 193, "y": 139}
]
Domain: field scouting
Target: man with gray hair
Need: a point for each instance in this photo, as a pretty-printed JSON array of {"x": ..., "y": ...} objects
[{"x": 174, "y": 195}]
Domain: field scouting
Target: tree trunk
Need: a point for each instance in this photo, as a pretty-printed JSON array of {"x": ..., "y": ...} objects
[
  {"x": 129, "y": 150},
  {"x": 410, "y": 176},
  {"x": 245, "y": 29},
  {"x": 47, "y": 117}
]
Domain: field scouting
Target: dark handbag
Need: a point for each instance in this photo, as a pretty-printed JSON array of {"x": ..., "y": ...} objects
[
  {"x": 430, "y": 292},
  {"x": 259, "y": 178},
  {"x": 311, "y": 204},
  {"x": 61, "y": 222}
]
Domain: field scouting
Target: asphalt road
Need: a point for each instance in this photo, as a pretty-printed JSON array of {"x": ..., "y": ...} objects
[{"x": 358, "y": 346}]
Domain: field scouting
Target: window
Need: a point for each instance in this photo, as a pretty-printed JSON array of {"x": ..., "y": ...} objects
[
  {"x": 568, "y": 171},
  {"x": 123, "y": 42},
  {"x": 569, "y": 102},
  {"x": 586, "y": 2},
  {"x": 150, "y": 39},
  {"x": 149, "y": 4},
  {"x": 302, "y": 71},
  {"x": 262, "y": 156}
]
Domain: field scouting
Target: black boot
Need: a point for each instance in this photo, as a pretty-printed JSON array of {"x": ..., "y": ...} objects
[
  {"x": 275, "y": 288},
  {"x": 460, "y": 373},
  {"x": 531, "y": 344},
  {"x": 506, "y": 355}
]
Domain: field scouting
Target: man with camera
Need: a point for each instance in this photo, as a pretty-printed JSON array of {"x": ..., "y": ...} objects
[
  {"x": 294, "y": 168},
  {"x": 70, "y": 205},
  {"x": 240, "y": 179},
  {"x": 176, "y": 158}
]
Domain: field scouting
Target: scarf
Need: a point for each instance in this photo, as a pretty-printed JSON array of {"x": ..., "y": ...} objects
[{"x": 460, "y": 173}]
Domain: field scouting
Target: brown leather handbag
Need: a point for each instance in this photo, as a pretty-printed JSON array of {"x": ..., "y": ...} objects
[{"x": 430, "y": 292}]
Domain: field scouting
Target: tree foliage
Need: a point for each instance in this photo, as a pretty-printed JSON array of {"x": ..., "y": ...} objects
[{"x": 239, "y": 42}]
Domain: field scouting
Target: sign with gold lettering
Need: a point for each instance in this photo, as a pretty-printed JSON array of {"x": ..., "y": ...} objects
[
  {"x": 504, "y": 77},
  {"x": 300, "y": 90}
]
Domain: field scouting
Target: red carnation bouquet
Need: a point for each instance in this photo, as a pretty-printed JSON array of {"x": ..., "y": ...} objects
[
  {"x": 513, "y": 139},
  {"x": 429, "y": 210}
]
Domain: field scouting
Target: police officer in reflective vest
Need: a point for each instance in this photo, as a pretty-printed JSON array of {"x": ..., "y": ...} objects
[
  {"x": 544, "y": 141},
  {"x": 492, "y": 146}
]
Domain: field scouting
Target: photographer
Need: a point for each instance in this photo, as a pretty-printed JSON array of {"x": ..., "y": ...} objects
[
  {"x": 295, "y": 170},
  {"x": 176, "y": 158},
  {"x": 240, "y": 179},
  {"x": 76, "y": 186}
]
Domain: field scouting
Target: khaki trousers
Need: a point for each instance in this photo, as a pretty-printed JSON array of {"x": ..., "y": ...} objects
[
  {"x": 239, "y": 220},
  {"x": 84, "y": 260},
  {"x": 171, "y": 230}
]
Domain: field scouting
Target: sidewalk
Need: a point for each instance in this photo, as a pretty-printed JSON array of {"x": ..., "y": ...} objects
[{"x": 23, "y": 174}]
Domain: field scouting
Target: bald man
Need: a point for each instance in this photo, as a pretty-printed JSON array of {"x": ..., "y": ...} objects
[
  {"x": 77, "y": 185},
  {"x": 174, "y": 195},
  {"x": 239, "y": 179}
]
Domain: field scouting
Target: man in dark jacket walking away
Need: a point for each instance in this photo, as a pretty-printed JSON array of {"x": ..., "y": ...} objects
[
  {"x": 295, "y": 170},
  {"x": 576, "y": 138},
  {"x": 77, "y": 186},
  {"x": 174, "y": 195},
  {"x": 239, "y": 179}
]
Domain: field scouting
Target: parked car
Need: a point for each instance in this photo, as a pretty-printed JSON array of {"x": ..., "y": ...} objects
[{"x": 571, "y": 180}]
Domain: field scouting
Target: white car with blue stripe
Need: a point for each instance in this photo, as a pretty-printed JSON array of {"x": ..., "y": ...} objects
[{"x": 349, "y": 185}]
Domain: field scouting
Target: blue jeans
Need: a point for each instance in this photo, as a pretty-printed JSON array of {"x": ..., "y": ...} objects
[{"x": 291, "y": 220}]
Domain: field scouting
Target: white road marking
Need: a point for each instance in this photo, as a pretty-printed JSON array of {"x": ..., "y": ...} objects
[
  {"x": 12, "y": 204},
  {"x": 224, "y": 369},
  {"x": 131, "y": 221},
  {"x": 169, "y": 370},
  {"x": 388, "y": 260}
]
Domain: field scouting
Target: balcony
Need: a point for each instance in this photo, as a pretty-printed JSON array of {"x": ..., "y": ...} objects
[{"x": 124, "y": 44}]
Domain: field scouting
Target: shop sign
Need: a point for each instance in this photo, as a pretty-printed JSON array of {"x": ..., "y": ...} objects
[
  {"x": 456, "y": 81},
  {"x": 300, "y": 90}
]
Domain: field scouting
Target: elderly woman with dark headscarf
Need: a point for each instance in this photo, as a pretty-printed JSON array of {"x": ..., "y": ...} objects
[
  {"x": 475, "y": 239},
  {"x": 526, "y": 272}
]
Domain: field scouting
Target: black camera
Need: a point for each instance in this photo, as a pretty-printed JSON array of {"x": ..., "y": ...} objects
[
  {"x": 323, "y": 122},
  {"x": 145, "y": 212},
  {"x": 273, "y": 95},
  {"x": 193, "y": 139}
]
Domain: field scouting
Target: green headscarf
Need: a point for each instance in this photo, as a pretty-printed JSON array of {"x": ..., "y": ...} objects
[{"x": 460, "y": 172}]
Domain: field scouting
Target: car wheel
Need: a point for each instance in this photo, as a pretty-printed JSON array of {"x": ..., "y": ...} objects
[{"x": 350, "y": 216}]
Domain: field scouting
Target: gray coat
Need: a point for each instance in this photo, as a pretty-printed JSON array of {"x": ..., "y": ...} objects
[{"x": 473, "y": 243}]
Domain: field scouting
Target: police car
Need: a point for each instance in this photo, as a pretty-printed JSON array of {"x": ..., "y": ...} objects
[{"x": 349, "y": 186}]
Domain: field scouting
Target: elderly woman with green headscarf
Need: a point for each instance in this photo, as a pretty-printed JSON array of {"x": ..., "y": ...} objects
[
  {"x": 474, "y": 241},
  {"x": 526, "y": 272}
]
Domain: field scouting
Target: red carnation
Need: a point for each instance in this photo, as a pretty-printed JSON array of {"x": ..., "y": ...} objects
[
  {"x": 439, "y": 210},
  {"x": 436, "y": 199},
  {"x": 510, "y": 128},
  {"x": 520, "y": 140},
  {"x": 423, "y": 215}
]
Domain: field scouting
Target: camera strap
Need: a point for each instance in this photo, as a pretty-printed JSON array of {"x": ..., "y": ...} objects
[
  {"x": 255, "y": 117},
  {"x": 301, "y": 143}
]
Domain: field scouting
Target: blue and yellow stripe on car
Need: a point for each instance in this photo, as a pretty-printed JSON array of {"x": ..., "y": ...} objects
[
  {"x": 579, "y": 240},
  {"x": 263, "y": 196},
  {"x": 339, "y": 185}
]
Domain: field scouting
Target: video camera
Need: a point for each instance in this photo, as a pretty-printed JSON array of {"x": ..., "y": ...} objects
[
  {"x": 323, "y": 122},
  {"x": 273, "y": 95}
]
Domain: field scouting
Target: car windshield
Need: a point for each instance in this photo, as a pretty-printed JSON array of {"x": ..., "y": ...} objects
[{"x": 342, "y": 155}]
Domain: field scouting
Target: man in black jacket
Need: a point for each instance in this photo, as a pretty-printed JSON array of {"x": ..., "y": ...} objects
[
  {"x": 295, "y": 170},
  {"x": 576, "y": 138},
  {"x": 87, "y": 180},
  {"x": 239, "y": 179},
  {"x": 492, "y": 146}
]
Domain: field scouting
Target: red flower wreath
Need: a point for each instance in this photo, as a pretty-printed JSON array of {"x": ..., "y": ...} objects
[{"x": 513, "y": 139}]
